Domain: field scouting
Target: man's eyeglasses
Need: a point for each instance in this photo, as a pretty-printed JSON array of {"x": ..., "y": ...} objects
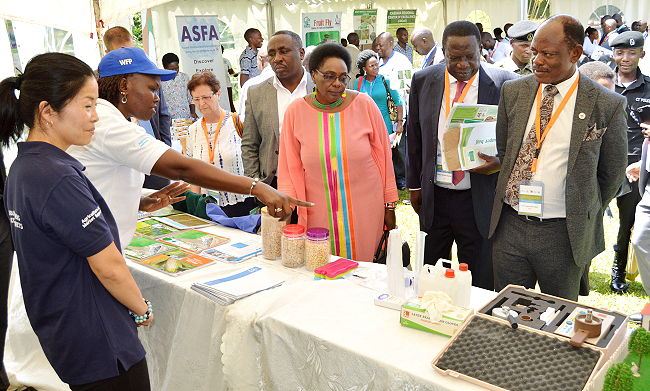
[
  {"x": 330, "y": 78},
  {"x": 206, "y": 98}
]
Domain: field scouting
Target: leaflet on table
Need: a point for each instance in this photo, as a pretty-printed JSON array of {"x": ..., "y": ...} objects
[
  {"x": 167, "y": 258},
  {"x": 183, "y": 221},
  {"x": 194, "y": 240},
  {"x": 166, "y": 211},
  {"x": 240, "y": 283},
  {"x": 154, "y": 228},
  {"x": 235, "y": 251},
  {"x": 462, "y": 113},
  {"x": 475, "y": 138}
]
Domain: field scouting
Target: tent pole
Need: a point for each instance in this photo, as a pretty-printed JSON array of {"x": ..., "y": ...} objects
[
  {"x": 444, "y": 11},
  {"x": 98, "y": 26},
  {"x": 270, "y": 19}
]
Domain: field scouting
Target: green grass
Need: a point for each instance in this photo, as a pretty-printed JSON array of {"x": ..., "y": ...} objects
[
  {"x": 640, "y": 383},
  {"x": 599, "y": 296}
]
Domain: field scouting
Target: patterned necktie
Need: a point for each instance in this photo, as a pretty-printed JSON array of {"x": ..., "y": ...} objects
[
  {"x": 524, "y": 161},
  {"x": 457, "y": 176}
]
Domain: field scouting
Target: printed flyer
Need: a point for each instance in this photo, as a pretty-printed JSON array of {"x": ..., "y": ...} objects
[
  {"x": 320, "y": 27},
  {"x": 364, "y": 23}
]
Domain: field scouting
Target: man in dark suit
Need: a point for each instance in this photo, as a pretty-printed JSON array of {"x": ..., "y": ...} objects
[
  {"x": 452, "y": 206},
  {"x": 424, "y": 44},
  {"x": 563, "y": 157}
]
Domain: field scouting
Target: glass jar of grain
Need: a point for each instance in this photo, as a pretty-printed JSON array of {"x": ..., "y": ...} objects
[
  {"x": 293, "y": 245},
  {"x": 271, "y": 235},
  {"x": 317, "y": 248}
]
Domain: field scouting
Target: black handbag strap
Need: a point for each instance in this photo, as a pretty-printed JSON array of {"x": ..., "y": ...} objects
[{"x": 382, "y": 241}]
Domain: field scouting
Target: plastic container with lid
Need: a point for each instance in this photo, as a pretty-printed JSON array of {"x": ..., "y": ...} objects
[
  {"x": 449, "y": 285},
  {"x": 271, "y": 235},
  {"x": 464, "y": 276},
  {"x": 317, "y": 247},
  {"x": 335, "y": 270},
  {"x": 293, "y": 245}
]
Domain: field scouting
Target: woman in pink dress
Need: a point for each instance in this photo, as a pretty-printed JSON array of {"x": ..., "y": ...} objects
[{"x": 334, "y": 152}]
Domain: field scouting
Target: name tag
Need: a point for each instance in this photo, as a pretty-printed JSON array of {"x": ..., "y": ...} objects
[
  {"x": 531, "y": 198},
  {"x": 442, "y": 176}
]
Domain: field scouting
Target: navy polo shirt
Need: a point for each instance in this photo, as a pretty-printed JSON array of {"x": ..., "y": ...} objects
[{"x": 58, "y": 219}]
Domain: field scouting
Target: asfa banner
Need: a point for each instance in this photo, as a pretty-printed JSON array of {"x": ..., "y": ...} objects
[
  {"x": 198, "y": 37},
  {"x": 321, "y": 27}
]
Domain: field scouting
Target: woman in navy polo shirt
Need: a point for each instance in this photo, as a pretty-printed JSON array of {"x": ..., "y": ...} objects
[{"x": 78, "y": 291}]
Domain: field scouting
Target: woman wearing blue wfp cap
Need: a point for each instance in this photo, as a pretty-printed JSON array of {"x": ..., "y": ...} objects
[
  {"x": 121, "y": 152},
  {"x": 76, "y": 286}
]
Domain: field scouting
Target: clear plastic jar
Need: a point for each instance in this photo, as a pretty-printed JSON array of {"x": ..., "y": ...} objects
[
  {"x": 317, "y": 248},
  {"x": 293, "y": 245},
  {"x": 271, "y": 235}
]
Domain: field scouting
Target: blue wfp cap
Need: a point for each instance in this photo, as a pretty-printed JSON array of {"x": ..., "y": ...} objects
[{"x": 123, "y": 61}]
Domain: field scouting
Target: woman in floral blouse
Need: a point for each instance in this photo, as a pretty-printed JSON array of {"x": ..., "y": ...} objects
[{"x": 179, "y": 100}]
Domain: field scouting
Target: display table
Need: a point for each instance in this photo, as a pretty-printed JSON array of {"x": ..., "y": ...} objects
[{"x": 304, "y": 334}]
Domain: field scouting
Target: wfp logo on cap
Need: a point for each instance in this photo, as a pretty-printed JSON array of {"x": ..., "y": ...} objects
[{"x": 126, "y": 61}]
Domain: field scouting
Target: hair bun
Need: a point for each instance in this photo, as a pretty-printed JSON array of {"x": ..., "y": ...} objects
[{"x": 18, "y": 81}]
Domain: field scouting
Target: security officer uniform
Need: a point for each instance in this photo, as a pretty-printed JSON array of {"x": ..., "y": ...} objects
[
  {"x": 522, "y": 31},
  {"x": 637, "y": 94}
]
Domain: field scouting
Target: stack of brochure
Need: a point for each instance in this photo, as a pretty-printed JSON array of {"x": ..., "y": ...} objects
[{"x": 239, "y": 284}]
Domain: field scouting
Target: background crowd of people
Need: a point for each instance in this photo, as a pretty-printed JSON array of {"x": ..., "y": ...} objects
[{"x": 325, "y": 136}]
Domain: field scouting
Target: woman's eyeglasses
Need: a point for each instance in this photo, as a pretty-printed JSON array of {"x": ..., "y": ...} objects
[
  {"x": 206, "y": 98},
  {"x": 330, "y": 78}
]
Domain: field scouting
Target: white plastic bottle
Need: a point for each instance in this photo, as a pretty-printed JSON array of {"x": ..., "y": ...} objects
[
  {"x": 449, "y": 285},
  {"x": 464, "y": 277}
]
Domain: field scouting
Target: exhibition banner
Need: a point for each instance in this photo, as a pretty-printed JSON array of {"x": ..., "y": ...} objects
[
  {"x": 198, "y": 37},
  {"x": 364, "y": 23},
  {"x": 321, "y": 27},
  {"x": 400, "y": 18}
]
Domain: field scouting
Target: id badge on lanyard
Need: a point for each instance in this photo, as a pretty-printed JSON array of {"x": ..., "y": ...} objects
[{"x": 531, "y": 198}]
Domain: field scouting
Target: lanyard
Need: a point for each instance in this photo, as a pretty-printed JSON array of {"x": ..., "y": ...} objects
[
  {"x": 213, "y": 146},
  {"x": 462, "y": 97},
  {"x": 386, "y": 62},
  {"x": 372, "y": 84},
  {"x": 493, "y": 50},
  {"x": 538, "y": 127},
  {"x": 426, "y": 60}
]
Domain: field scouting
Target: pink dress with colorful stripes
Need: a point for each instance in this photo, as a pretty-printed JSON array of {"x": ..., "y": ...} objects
[{"x": 342, "y": 163}]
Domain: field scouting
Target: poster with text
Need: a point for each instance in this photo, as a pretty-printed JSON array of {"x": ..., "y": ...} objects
[
  {"x": 400, "y": 18},
  {"x": 365, "y": 24},
  {"x": 198, "y": 37},
  {"x": 321, "y": 27}
]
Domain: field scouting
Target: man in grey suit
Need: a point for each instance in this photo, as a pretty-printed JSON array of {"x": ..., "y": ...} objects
[
  {"x": 563, "y": 158},
  {"x": 452, "y": 206},
  {"x": 639, "y": 171},
  {"x": 267, "y": 102}
]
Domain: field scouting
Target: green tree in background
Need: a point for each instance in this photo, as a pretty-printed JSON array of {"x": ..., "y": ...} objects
[
  {"x": 539, "y": 9},
  {"x": 639, "y": 343},
  {"x": 136, "y": 29},
  {"x": 619, "y": 378}
]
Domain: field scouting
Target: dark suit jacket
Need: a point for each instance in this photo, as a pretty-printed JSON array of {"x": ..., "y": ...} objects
[
  {"x": 427, "y": 90},
  {"x": 596, "y": 162}
]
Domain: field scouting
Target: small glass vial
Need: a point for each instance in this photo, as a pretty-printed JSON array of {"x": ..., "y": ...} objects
[
  {"x": 317, "y": 248},
  {"x": 293, "y": 245},
  {"x": 271, "y": 235}
]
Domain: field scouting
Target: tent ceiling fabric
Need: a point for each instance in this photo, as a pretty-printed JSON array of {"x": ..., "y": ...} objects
[{"x": 53, "y": 13}]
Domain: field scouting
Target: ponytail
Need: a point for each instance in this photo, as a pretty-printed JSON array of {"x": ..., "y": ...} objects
[
  {"x": 11, "y": 126},
  {"x": 54, "y": 78}
]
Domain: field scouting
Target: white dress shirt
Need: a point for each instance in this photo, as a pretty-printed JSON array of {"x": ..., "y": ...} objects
[
  {"x": 554, "y": 154},
  {"x": 501, "y": 50},
  {"x": 285, "y": 96},
  {"x": 267, "y": 72},
  {"x": 471, "y": 98}
]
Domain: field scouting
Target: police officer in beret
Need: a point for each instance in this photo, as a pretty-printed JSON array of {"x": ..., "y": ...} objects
[
  {"x": 518, "y": 61},
  {"x": 635, "y": 86}
]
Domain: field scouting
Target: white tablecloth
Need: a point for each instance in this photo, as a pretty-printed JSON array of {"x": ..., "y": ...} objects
[{"x": 304, "y": 334}]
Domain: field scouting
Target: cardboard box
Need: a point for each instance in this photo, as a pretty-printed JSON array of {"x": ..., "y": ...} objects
[{"x": 414, "y": 316}]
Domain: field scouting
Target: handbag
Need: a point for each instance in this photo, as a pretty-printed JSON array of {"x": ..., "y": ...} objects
[
  {"x": 392, "y": 109},
  {"x": 380, "y": 254}
]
